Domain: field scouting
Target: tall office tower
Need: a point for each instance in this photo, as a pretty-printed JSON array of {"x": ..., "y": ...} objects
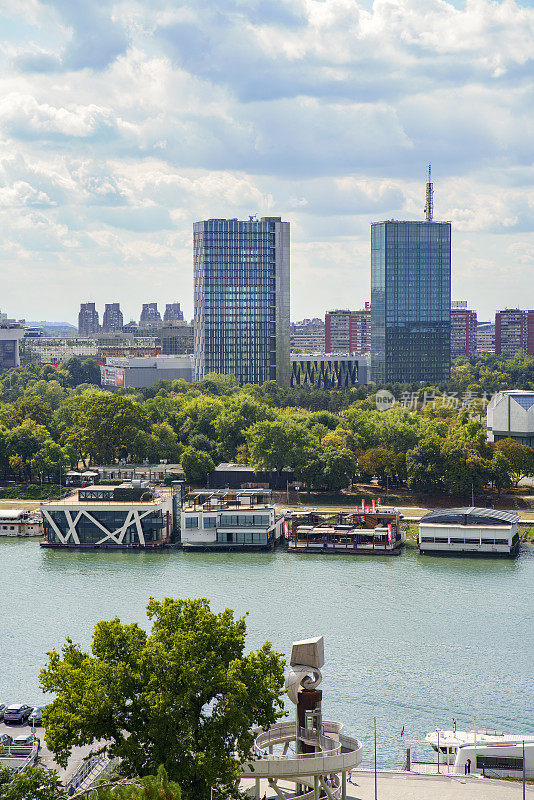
[
  {"x": 87, "y": 320},
  {"x": 112, "y": 319},
  {"x": 463, "y": 330},
  {"x": 514, "y": 331},
  {"x": 411, "y": 299},
  {"x": 241, "y": 298},
  {"x": 173, "y": 313},
  {"x": 348, "y": 331},
  {"x": 149, "y": 313}
]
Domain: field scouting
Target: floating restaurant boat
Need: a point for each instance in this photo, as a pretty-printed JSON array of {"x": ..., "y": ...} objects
[
  {"x": 368, "y": 530},
  {"x": 469, "y": 532},
  {"x": 448, "y": 742},
  {"x": 489, "y": 753}
]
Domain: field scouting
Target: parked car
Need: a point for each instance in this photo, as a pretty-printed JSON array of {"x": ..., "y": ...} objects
[
  {"x": 36, "y": 717},
  {"x": 17, "y": 712},
  {"x": 2, "y": 709},
  {"x": 5, "y": 742},
  {"x": 22, "y": 745}
]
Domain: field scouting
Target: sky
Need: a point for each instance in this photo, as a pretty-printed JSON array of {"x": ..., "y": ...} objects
[{"x": 122, "y": 123}]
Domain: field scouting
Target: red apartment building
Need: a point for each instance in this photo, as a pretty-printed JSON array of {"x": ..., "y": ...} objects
[{"x": 348, "y": 331}]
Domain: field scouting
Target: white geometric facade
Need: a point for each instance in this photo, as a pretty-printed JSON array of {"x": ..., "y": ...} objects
[
  {"x": 511, "y": 415},
  {"x": 73, "y": 522}
]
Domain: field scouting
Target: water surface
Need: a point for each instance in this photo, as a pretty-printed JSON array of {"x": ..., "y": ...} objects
[{"x": 413, "y": 640}]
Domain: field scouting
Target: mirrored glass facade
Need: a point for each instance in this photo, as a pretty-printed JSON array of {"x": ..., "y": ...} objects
[
  {"x": 241, "y": 297},
  {"x": 410, "y": 301}
]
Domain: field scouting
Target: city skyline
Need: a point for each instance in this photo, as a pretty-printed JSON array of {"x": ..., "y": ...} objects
[{"x": 118, "y": 135}]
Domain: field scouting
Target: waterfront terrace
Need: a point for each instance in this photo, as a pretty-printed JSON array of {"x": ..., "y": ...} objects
[{"x": 230, "y": 519}]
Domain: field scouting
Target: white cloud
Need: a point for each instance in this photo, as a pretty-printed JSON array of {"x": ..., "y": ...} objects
[{"x": 123, "y": 122}]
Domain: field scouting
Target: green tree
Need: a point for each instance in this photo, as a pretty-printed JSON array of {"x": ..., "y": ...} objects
[
  {"x": 184, "y": 696},
  {"x": 520, "y": 458},
  {"x": 35, "y": 783},
  {"x": 196, "y": 464},
  {"x": 425, "y": 465},
  {"x": 279, "y": 443},
  {"x": 108, "y": 425},
  {"x": 26, "y": 440},
  {"x": 151, "y": 787}
]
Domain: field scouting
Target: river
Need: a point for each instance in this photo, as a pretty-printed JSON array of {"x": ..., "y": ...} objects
[{"x": 413, "y": 640}]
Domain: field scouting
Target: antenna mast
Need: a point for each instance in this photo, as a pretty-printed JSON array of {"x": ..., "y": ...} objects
[{"x": 429, "y": 208}]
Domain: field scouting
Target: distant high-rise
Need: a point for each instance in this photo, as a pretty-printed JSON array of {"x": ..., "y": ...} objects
[
  {"x": 87, "y": 320},
  {"x": 112, "y": 319},
  {"x": 463, "y": 331},
  {"x": 242, "y": 299},
  {"x": 149, "y": 313},
  {"x": 514, "y": 331},
  {"x": 173, "y": 313},
  {"x": 348, "y": 331},
  {"x": 411, "y": 299}
]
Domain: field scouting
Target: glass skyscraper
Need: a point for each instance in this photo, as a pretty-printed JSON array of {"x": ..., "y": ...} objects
[
  {"x": 410, "y": 301},
  {"x": 241, "y": 297}
]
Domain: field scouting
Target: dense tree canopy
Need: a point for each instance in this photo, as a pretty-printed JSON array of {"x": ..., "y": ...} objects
[
  {"x": 433, "y": 439},
  {"x": 184, "y": 696}
]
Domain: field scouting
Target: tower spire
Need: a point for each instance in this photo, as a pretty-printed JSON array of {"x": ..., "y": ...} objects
[{"x": 429, "y": 208}]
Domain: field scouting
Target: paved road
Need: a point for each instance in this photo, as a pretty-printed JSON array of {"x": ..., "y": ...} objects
[
  {"x": 403, "y": 786},
  {"x": 45, "y": 756}
]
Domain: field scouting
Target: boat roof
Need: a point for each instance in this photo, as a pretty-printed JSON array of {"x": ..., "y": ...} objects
[{"x": 470, "y": 515}]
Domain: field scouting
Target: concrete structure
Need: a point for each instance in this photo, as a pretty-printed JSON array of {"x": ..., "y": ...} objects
[
  {"x": 132, "y": 515},
  {"x": 348, "y": 331},
  {"x": 241, "y": 297},
  {"x": 243, "y": 476},
  {"x": 20, "y": 522},
  {"x": 112, "y": 319},
  {"x": 322, "y": 754},
  {"x": 514, "y": 331},
  {"x": 11, "y": 334},
  {"x": 469, "y": 531},
  {"x": 510, "y": 415},
  {"x": 329, "y": 371},
  {"x": 485, "y": 337},
  {"x": 153, "y": 473},
  {"x": 222, "y": 519},
  {"x": 51, "y": 350},
  {"x": 463, "y": 332},
  {"x": 308, "y": 335},
  {"x": 149, "y": 314},
  {"x": 177, "y": 339},
  {"x": 87, "y": 320},
  {"x": 173, "y": 313},
  {"x": 142, "y": 372}
]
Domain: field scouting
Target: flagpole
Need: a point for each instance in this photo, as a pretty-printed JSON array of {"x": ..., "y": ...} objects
[{"x": 376, "y": 791}]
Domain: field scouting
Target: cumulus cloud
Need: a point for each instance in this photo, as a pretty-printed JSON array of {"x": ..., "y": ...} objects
[{"x": 123, "y": 122}]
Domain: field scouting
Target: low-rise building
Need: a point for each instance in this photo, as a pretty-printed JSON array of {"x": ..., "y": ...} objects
[
  {"x": 510, "y": 415},
  {"x": 244, "y": 476},
  {"x": 20, "y": 522},
  {"x": 244, "y": 519},
  {"x": 132, "y": 515},
  {"x": 142, "y": 372},
  {"x": 11, "y": 333},
  {"x": 329, "y": 371},
  {"x": 469, "y": 531},
  {"x": 153, "y": 473}
]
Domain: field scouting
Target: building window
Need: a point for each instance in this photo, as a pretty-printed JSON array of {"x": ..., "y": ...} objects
[
  {"x": 191, "y": 522},
  {"x": 502, "y": 762},
  {"x": 210, "y": 522}
]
